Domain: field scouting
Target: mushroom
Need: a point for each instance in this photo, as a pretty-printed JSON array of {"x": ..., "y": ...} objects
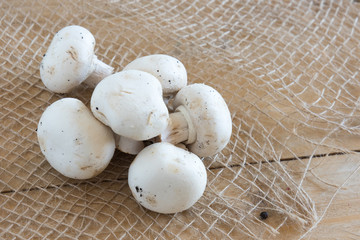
[
  {"x": 201, "y": 120},
  {"x": 128, "y": 145},
  {"x": 73, "y": 141},
  {"x": 70, "y": 60},
  {"x": 168, "y": 70},
  {"x": 167, "y": 179},
  {"x": 130, "y": 103}
]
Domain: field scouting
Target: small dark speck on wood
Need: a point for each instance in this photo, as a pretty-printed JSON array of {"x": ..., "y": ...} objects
[{"x": 264, "y": 215}]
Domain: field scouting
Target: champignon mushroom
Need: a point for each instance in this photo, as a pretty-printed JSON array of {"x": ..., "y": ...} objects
[
  {"x": 70, "y": 60},
  {"x": 202, "y": 120},
  {"x": 130, "y": 103},
  {"x": 168, "y": 70},
  {"x": 128, "y": 145},
  {"x": 73, "y": 141},
  {"x": 167, "y": 179}
]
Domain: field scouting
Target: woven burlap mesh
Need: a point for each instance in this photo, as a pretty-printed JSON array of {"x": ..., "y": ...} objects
[{"x": 289, "y": 71}]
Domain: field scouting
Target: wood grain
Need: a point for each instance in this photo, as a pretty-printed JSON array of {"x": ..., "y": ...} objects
[
  {"x": 341, "y": 221},
  {"x": 79, "y": 210}
]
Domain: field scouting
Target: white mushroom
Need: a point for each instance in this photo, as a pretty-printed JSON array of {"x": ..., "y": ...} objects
[
  {"x": 73, "y": 141},
  {"x": 70, "y": 60},
  {"x": 167, "y": 179},
  {"x": 131, "y": 103},
  {"x": 202, "y": 120},
  {"x": 128, "y": 145},
  {"x": 168, "y": 70}
]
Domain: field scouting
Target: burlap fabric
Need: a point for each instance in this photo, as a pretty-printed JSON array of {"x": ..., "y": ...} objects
[{"x": 289, "y": 71}]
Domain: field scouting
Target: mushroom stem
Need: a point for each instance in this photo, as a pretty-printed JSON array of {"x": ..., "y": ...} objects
[
  {"x": 180, "y": 128},
  {"x": 168, "y": 100},
  {"x": 128, "y": 145},
  {"x": 101, "y": 71},
  {"x": 182, "y": 146}
]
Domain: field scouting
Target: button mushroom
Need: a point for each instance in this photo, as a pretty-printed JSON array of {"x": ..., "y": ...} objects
[
  {"x": 202, "y": 120},
  {"x": 168, "y": 70},
  {"x": 73, "y": 141},
  {"x": 128, "y": 145},
  {"x": 70, "y": 60},
  {"x": 167, "y": 179},
  {"x": 130, "y": 103}
]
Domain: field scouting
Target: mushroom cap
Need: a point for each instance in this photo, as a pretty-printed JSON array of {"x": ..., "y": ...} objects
[
  {"x": 168, "y": 70},
  {"x": 167, "y": 179},
  {"x": 130, "y": 103},
  {"x": 210, "y": 116},
  {"x": 68, "y": 60},
  {"x": 73, "y": 141}
]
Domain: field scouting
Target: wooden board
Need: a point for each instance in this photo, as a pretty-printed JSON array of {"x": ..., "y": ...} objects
[
  {"x": 78, "y": 210},
  {"x": 342, "y": 219}
]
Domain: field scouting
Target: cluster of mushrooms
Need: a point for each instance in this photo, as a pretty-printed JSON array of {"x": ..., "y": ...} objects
[{"x": 146, "y": 110}]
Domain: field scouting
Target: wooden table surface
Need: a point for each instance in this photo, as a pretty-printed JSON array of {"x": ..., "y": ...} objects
[
  {"x": 289, "y": 71},
  {"x": 65, "y": 210}
]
